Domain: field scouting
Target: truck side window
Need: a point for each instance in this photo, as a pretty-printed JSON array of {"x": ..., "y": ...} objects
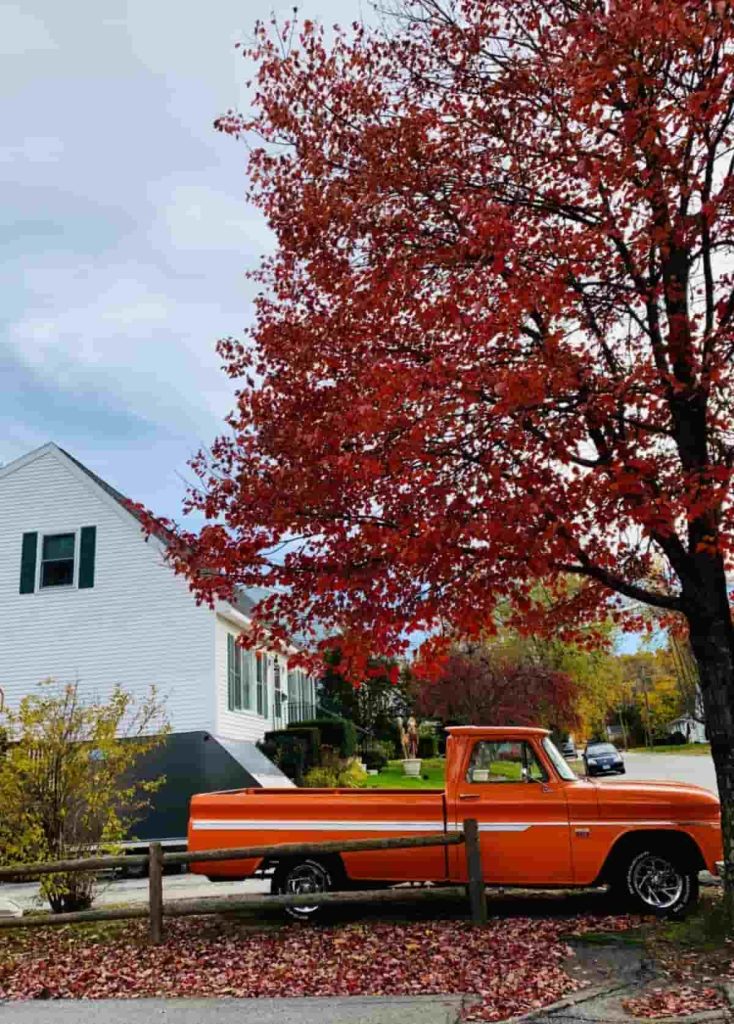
[{"x": 511, "y": 761}]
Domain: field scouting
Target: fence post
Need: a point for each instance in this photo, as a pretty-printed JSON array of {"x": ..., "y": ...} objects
[
  {"x": 477, "y": 893},
  {"x": 155, "y": 892}
]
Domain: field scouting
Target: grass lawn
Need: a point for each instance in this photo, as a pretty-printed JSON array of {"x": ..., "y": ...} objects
[
  {"x": 433, "y": 775},
  {"x": 695, "y": 749}
]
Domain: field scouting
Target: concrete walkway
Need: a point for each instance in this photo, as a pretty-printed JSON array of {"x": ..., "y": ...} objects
[{"x": 337, "y": 1010}]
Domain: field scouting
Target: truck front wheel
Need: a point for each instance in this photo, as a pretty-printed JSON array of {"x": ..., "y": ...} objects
[
  {"x": 662, "y": 883},
  {"x": 302, "y": 878}
]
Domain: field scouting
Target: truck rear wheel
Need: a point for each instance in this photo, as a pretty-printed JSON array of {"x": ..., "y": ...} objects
[
  {"x": 302, "y": 878},
  {"x": 659, "y": 882}
]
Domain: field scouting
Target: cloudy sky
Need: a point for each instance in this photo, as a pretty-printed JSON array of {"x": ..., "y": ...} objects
[{"x": 125, "y": 235}]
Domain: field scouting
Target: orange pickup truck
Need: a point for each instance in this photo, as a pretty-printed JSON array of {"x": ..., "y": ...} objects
[{"x": 539, "y": 826}]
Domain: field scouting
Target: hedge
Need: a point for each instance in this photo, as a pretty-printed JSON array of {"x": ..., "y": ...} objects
[
  {"x": 374, "y": 758},
  {"x": 338, "y": 733},
  {"x": 287, "y": 751},
  {"x": 312, "y": 738}
]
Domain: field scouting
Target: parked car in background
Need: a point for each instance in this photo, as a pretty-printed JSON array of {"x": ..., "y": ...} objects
[
  {"x": 568, "y": 749},
  {"x": 603, "y": 759}
]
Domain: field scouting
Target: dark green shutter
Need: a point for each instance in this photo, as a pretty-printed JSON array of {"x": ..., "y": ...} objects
[
  {"x": 28, "y": 563},
  {"x": 87, "y": 548},
  {"x": 231, "y": 655}
]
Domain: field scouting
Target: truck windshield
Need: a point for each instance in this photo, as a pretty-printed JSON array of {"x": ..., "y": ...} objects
[{"x": 559, "y": 762}]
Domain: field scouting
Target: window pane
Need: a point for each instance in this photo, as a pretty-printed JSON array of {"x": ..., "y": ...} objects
[
  {"x": 59, "y": 546},
  {"x": 246, "y": 679},
  {"x": 513, "y": 761},
  {"x": 57, "y": 574}
]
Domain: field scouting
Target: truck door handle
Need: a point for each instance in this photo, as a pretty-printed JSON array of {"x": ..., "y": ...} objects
[{"x": 468, "y": 796}]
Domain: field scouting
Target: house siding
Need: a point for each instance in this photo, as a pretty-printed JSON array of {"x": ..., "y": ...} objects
[
  {"x": 137, "y": 625},
  {"x": 241, "y": 725}
]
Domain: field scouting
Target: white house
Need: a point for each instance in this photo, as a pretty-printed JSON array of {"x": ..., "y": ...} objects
[
  {"x": 84, "y": 596},
  {"x": 692, "y": 728}
]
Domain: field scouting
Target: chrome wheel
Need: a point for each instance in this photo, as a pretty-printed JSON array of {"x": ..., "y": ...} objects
[
  {"x": 304, "y": 879},
  {"x": 657, "y": 882}
]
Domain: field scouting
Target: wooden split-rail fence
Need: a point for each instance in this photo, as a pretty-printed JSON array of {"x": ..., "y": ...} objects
[{"x": 156, "y": 859}]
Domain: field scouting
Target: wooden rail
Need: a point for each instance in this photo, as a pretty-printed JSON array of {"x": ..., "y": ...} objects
[{"x": 156, "y": 859}]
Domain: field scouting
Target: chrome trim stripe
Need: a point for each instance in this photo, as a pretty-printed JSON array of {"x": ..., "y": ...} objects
[
  {"x": 238, "y": 825},
  {"x": 317, "y": 826}
]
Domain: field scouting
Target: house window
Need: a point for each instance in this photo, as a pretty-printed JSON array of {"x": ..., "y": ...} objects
[
  {"x": 261, "y": 675},
  {"x": 277, "y": 691},
  {"x": 238, "y": 676},
  {"x": 57, "y": 560}
]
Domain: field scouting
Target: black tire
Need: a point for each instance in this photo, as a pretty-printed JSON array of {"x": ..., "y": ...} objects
[
  {"x": 653, "y": 880},
  {"x": 622, "y": 771},
  {"x": 307, "y": 875}
]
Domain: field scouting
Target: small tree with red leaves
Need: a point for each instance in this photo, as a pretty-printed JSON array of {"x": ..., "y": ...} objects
[{"x": 477, "y": 685}]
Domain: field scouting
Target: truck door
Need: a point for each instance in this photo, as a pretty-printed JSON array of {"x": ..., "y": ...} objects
[{"x": 522, "y": 814}]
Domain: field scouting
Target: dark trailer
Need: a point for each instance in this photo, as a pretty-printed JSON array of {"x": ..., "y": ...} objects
[{"x": 192, "y": 762}]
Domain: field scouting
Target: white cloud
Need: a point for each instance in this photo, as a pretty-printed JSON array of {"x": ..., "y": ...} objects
[
  {"x": 34, "y": 150},
  {"x": 21, "y": 33},
  {"x": 150, "y": 351}
]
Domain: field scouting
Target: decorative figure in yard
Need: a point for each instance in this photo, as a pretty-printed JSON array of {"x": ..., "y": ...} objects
[
  {"x": 403, "y": 737},
  {"x": 412, "y": 743}
]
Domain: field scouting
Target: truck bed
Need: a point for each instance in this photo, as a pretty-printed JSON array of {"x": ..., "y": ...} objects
[{"x": 252, "y": 817}]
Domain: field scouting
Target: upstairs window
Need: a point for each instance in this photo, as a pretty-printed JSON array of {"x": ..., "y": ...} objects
[{"x": 57, "y": 560}]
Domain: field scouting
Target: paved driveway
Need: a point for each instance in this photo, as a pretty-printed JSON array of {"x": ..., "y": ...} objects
[
  {"x": 134, "y": 890},
  {"x": 698, "y": 769}
]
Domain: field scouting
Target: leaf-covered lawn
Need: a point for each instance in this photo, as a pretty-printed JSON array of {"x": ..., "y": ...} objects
[{"x": 513, "y": 965}]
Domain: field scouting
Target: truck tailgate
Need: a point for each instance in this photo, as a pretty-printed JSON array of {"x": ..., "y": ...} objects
[{"x": 260, "y": 817}]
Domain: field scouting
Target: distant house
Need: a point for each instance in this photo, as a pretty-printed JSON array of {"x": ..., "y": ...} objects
[
  {"x": 85, "y": 597},
  {"x": 693, "y": 730}
]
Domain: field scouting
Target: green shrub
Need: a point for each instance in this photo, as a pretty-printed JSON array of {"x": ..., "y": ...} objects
[
  {"x": 338, "y": 733},
  {"x": 374, "y": 758},
  {"x": 312, "y": 738},
  {"x": 330, "y": 777},
  {"x": 286, "y": 751},
  {"x": 428, "y": 745},
  {"x": 67, "y": 784},
  {"x": 322, "y": 778}
]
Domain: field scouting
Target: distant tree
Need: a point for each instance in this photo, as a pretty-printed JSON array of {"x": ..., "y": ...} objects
[
  {"x": 382, "y": 695},
  {"x": 65, "y": 789},
  {"x": 479, "y": 685}
]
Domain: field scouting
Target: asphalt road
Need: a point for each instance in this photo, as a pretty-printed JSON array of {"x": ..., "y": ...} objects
[{"x": 695, "y": 768}]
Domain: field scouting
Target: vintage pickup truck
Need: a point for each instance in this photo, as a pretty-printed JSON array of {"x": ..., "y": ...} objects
[{"x": 539, "y": 826}]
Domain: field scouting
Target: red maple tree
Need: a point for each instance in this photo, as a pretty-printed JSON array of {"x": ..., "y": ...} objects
[
  {"x": 475, "y": 684},
  {"x": 495, "y": 341}
]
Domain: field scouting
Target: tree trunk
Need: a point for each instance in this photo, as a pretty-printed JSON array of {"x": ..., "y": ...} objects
[{"x": 712, "y": 641}]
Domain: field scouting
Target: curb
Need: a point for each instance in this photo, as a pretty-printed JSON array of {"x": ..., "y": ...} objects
[
  {"x": 723, "y": 1014},
  {"x": 573, "y": 999}
]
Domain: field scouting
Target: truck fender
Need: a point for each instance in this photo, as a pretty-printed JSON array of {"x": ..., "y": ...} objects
[{"x": 667, "y": 840}]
